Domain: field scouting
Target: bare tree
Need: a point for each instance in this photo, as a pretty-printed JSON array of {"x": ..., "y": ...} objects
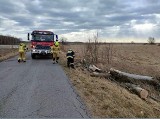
[
  {"x": 92, "y": 48},
  {"x": 63, "y": 40},
  {"x": 106, "y": 53},
  {"x": 151, "y": 40}
]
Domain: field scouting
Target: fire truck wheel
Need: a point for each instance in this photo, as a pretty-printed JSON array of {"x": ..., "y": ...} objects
[{"x": 33, "y": 56}]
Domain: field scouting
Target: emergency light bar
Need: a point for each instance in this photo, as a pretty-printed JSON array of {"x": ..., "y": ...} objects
[{"x": 42, "y": 32}]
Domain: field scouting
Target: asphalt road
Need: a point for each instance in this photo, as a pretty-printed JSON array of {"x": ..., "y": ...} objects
[{"x": 37, "y": 89}]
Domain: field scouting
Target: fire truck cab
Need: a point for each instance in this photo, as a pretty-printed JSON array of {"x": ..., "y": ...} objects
[{"x": 41, "y": 43}]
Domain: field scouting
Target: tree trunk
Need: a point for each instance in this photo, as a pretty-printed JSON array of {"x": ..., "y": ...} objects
[
  {"x": 142, "y": 93},
  {"x": 135, "y": 79},
  {"x": 101, "y": 75},
  {"x": 94, "y": 68},
  {"x": 133, "y": 76}
]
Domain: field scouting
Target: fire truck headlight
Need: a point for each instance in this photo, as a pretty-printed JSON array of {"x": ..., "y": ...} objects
[{"x": 34, "y": 50}]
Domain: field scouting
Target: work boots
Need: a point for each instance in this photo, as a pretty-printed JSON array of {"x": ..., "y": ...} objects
[
  {"x": 19, "y": 60},
  {"x": 54, "y": 61}
]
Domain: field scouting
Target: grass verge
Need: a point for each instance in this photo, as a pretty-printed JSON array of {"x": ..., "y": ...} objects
[
  {"x": 7, "y": 53},
  {"x": 105, "y": 98}
]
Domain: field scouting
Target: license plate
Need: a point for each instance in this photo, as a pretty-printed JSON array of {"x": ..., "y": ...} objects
[{"x": 43, "y": 52}]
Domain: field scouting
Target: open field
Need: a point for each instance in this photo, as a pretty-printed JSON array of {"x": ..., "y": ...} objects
[
  {"x": 131, "y": 58},
  {"x": 106, "y": 98}
]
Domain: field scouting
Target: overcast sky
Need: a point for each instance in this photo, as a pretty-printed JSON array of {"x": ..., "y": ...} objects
[{"x": 115, "y": 20}]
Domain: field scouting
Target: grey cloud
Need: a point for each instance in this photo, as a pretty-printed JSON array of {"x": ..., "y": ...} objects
[
  {"x": 23, "y": 21},
  {"x": 84, "y": 14},
  {"x": 6, "y": 7}
]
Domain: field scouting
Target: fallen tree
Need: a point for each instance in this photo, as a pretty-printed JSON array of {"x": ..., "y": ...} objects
[
  {"x": 134, "y": 79},
  {"x": 94, "y": 68},
  {"x": 142, "y": 93},
  {"x": 134, "y": 76},
  {"x": 101, "y": 75},
  {"x": 126, "y": 80},
  {"x": 90, "y": 67}
]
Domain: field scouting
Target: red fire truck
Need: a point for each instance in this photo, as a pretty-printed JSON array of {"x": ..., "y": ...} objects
[{"x": 41, "y": 42}]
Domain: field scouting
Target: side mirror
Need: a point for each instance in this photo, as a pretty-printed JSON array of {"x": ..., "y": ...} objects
[
  {"x": 56, "y": 37},
  {"x": 28, "y": 36}
]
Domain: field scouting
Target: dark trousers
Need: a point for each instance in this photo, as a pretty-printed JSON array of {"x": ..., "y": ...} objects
[
  {"x": 57, "y": 58},
  {"x": 70, "y": 62}
]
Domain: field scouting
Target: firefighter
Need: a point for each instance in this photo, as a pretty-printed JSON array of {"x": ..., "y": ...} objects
[
  {"x": 55, "y": 50},
  {"x": 22, "y": 49},
  {"x": 70, "y": 58}
]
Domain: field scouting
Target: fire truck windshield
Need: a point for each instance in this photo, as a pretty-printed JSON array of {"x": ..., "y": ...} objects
[{"x": 39, "y": 37}]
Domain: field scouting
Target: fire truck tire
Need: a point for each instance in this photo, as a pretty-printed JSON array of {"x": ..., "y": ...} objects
[{"x": 33, "y": 56}]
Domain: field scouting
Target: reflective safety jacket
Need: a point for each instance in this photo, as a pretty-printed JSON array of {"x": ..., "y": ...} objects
[
  {"x": 22, "y": 47},
  {"x": 55, "y": 49},
  {"x": 70, "y": 54},
  {"x": 56, "y": 43}
]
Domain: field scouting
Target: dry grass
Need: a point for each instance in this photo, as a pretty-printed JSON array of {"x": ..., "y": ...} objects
[
  {"x": 105, "y": 98},
  {"x": 7, "y": 53},
  {"x": 139, "y": 59}
]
